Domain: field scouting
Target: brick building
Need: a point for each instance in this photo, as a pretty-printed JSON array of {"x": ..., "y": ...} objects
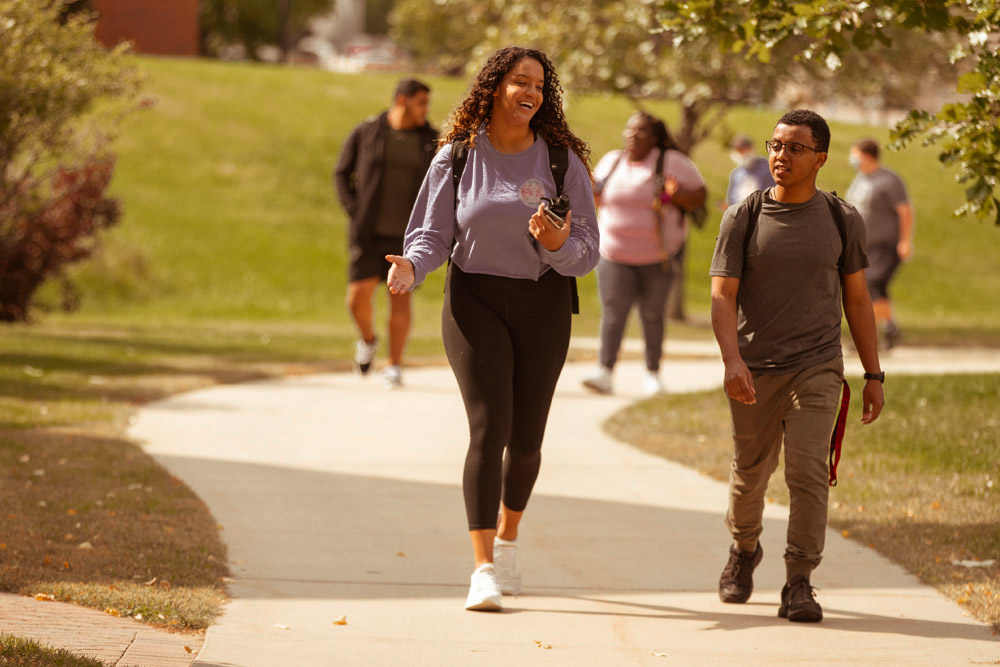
[{"x": 163, "y": 27}]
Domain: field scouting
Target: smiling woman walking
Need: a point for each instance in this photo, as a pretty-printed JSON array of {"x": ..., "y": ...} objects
[{"x": 509, "y": 296}]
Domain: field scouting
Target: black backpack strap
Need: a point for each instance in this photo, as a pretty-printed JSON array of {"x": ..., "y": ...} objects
[
  {"x": 834, "y": 202},
  {"x": 660, "y": 185},
  {"x": 754, "y": 202},
  {"x": 459, "y": 156},
  {"x": 559, "y": 164}
]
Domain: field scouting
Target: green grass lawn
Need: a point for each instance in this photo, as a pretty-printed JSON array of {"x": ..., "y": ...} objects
[
  {"x": 15, "y": 652},
  {"x": 231, "y": 214},
  {"x": 921, "y": 485}
]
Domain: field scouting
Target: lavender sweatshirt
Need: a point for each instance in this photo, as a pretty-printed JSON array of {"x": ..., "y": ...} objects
[{"x": 497, "y": 195}]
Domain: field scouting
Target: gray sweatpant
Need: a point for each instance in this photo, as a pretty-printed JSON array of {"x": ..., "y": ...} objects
[
  {"x": 799, "y": 409},
  {"x": 620, "y": 287}
]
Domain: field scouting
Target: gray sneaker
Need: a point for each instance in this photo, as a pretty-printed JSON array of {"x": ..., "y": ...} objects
[{"x": 599, "y": 381}]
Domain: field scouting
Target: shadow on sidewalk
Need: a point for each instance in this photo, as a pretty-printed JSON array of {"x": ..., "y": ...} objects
[{"x": 304, "y": 534}]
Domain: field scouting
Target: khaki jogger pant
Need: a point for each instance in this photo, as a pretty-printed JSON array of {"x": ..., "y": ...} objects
[{"x": 801, "y": 409}]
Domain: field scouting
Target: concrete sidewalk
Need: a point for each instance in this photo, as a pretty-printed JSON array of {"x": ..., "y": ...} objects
[{"x": 338, "y": 498}]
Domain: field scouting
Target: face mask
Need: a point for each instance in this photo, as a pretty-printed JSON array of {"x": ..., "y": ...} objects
[
  {"x": 739, "y": 159},
  {"x": 854, "y": 161}
]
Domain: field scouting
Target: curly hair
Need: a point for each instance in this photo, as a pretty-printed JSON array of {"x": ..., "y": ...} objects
[{"x": 477, "y": 107}]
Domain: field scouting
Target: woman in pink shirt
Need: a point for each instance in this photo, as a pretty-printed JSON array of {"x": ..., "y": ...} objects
[{"x": 642, "y": 192}]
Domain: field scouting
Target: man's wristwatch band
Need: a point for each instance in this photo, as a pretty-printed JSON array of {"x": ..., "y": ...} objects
[{"x": 876, "y": 376}]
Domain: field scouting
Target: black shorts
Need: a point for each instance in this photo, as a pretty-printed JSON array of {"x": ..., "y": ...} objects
[
  {"x": 883, "y": 261},
  {"x": 369, "y": 261}
]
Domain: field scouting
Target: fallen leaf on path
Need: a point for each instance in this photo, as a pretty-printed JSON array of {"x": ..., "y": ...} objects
[
  {"x": 189, "y": 649},
  {"x": 281, "y": 627},
  {"x": 401, "y": 554},
  {"x": 658, "y": 655},
  {"x": 845, "y": 533},
  {"x": 340, "y": 620},
  {"x": 49, "y": 597},
  {"x": 541, "y": 644}
]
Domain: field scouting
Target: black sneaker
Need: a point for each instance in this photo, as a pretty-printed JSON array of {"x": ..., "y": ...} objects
[
  {"x": 798, "y": 602},
  {"x": 736, "y": 582}
]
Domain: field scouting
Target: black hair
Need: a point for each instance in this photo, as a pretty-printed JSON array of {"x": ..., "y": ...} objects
[
  {"x": 664, "y": 140},
  {"x": 868, "y": 147},
  {"x": 409, "y": 88},
  {"x": 820, "y": 130}
]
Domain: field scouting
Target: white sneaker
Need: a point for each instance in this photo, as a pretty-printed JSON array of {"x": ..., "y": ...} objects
[
  {"x": 364, "y": 354},
  {"x": 508, "y": 572},
  {"x": 599, "y": 381},
  {"x": 393, "y": 376},
  {"x": 484, "y": 591},
  {"x": 652, "y": 385}
]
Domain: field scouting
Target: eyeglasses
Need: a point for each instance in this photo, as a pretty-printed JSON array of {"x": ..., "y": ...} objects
[{"x": 793, "y": 148}]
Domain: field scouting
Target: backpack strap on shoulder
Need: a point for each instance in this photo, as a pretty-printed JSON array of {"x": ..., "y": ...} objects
[
  {"x": 836, "y": 209},
  {"x": 459, "y": 156},
  {"x": 754, "y": 202},
  {"x": 658, "y": 178},
  {"x": 559, "y": 164}
]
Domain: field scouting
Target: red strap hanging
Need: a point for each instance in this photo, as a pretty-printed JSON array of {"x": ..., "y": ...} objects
[{"x": 838, "y": 433}]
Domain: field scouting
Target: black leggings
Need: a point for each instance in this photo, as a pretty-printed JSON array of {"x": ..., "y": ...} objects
[{"x": 506, "y": 340}]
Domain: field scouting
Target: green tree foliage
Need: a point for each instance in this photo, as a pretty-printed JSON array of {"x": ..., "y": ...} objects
[
  {"x": 54, "y": 164},
  {"x": 441, "y": 34},
  {"x": 255, "y": 23},
  {"x": 622, "y": 47},
  {"x": 829, "y": 31}
]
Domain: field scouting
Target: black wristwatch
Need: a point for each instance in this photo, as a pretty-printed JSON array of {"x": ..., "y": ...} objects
[{"x": 876, "y": 376}]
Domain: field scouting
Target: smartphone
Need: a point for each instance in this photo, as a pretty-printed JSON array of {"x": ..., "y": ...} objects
[
  {"x": 556, "y": 221},
  {"x": 556, "y": 210}
]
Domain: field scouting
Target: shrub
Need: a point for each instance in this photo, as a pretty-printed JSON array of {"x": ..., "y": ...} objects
[{"x": 54, "y": 161}]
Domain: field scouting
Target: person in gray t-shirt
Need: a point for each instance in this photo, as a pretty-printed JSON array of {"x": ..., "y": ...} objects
[
  {"x": 881, "y": 198},
  {"x": 777, "y": 293}
]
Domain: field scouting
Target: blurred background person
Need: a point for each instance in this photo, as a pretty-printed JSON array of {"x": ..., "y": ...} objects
[
  {"x": 378, "y": 175},
  {"x": 641, "y": 192},
  {"x": 751, "y": 173},
  {"x": 880, "y": 195}
]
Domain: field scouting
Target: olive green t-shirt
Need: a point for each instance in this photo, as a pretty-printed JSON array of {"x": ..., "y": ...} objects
[
  {"x": 402, "y": 175},
  {"x": 789, "y": 299}
]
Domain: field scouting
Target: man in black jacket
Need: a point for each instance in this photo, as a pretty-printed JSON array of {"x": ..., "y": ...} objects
[{"x": 378, "y": 175}]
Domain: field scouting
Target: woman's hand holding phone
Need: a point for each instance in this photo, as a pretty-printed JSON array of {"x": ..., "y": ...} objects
[{"x": 546, "y": 232}]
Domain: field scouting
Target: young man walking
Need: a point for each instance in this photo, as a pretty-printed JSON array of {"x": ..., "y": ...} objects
[
  {"x": 778, "y": 283},
  {"x": 880, "y": 196},
  {"x": 378, "y": 175}
]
